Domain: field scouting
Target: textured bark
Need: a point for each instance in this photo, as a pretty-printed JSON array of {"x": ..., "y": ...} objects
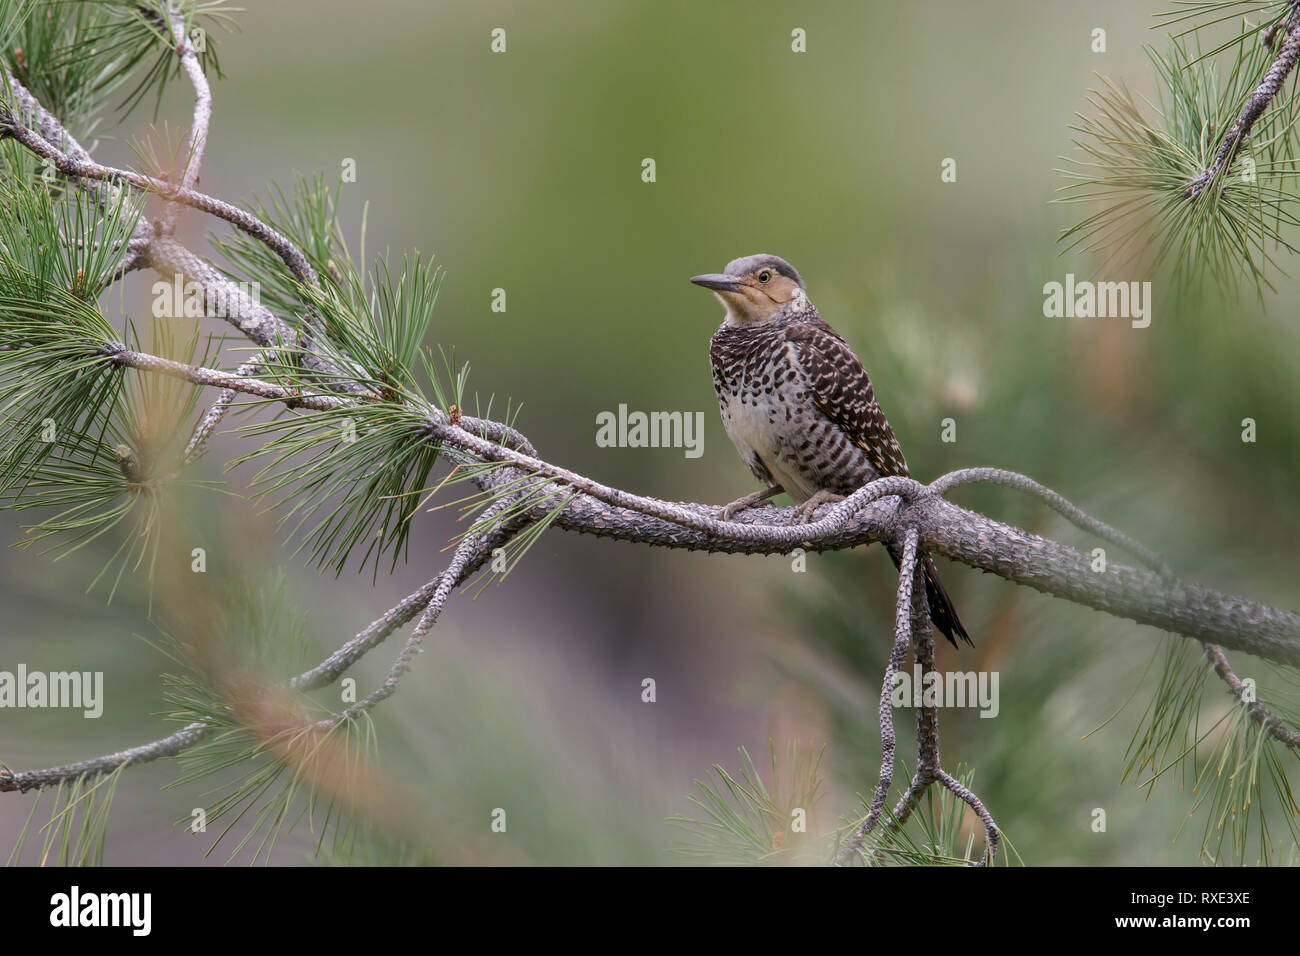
[{"x": 1009, "y": 552}]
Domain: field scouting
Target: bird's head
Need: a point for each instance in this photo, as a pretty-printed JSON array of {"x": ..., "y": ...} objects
[{"x": 756, "y": 289}]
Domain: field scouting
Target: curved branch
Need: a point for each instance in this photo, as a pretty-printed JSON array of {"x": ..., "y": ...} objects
[
  {"x": 55, "y": 136},
  {"x": 912, "y": 625},
  {"x": 168, "y": 257},
  {"x": 471, "y": 550},
  {"x": 874, "y": 513},
  {"x": 469, "y": 559},
  {"x": 967, "y": 796},
  {"x": 239, "y": 218},
  {"x": 202, "y": 109},
  {"x": 902, "y": 640},
  {"x": 168, "y": 746},
  {"x": 1070, "y": 511},
  {"x": 1268, "y": 88},
  {"x": 1271, "y": 724}
]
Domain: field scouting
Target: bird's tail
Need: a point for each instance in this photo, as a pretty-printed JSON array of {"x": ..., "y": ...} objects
[{"x": 942, "y": 613}]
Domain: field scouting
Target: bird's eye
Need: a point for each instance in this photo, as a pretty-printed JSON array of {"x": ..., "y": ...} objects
[{"x": 764, "y": 276}]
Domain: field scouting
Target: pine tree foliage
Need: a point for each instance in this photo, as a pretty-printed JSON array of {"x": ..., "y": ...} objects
[
  {"x": 78, "y": 56},
  {"x": 1175, "y": 182},
  {"x": 353, "y": 474},
  {"x": 76, "y": 832},
  {"x": 946, "y": 833},
  {"x": 94, "y": 450},
  {"x": 1238, "y": 777},
  {"x": 275, "y": 761},
  {"x": 748, "y": 821},
  {"x": 1147, "y": 176}
]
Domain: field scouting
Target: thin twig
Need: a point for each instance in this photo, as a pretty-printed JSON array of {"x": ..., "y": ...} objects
[
  {"x": 1268, "y": 88},
  {"x": 215, "y": 378},
  {"x": 239, "y": 218},
  {"x": 465, "y": 554},
  {"x": 217, "y": 411},
  {"x": 991, "y": 833},
  {"x": 168, "y": 746},
  {"x": 1271, "y": 724},
  {"x": 469, "y": 559},
  {"x": 1072, "y": 512},
  {"x": 202, "y": 110},
  {"x": 902, "y": 640}
]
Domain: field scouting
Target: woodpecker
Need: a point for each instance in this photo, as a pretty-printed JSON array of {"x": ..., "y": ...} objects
[{"x": 798, "y": 405}]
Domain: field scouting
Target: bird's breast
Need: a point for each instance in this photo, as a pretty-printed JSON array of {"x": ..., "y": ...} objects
[{"x": 762, "y": 395}]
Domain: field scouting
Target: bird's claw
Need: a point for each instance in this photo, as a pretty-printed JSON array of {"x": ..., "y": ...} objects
[
  {"x": 729, "y": 512},
  {"x": 800, "y": 515},
  {"x": 803, "y": 514}
]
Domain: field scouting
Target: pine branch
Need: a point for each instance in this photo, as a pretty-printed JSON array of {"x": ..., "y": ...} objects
[
  {"x": 1074, "y": 514},
  {"x": 467, "y": 552},
  {"x": 1271, "y": 724},
  {"x": 468, "y": 560},
  {"x": 1180, "y": 186},
  {"x": 970, "y": 538},
  {"x": 912, "y": 625},
  {"x": 55, "y": 136},
  {"x": 85, "y": 168},
  {"x": 1259, "y": 100},
  {"x": 216, "y": 413},
  {"x": 168, "y": 746},
  {"x": 902, "y": 639},
  {"x": 202, "y": 109}
]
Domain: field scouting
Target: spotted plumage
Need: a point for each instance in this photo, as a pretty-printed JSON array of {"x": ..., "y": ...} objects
[{"x": 796, "y": 401}]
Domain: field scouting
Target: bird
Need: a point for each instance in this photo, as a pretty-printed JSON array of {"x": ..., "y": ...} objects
[{"x": 799, "y": 406}]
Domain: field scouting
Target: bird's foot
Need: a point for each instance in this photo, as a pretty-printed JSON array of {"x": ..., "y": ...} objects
[
  {"x": 804, "y": 513},
  {"x": 749, "y": 501}
]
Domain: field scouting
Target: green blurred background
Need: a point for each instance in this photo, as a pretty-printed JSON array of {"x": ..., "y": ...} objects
[{"x": 522, "y": 171}]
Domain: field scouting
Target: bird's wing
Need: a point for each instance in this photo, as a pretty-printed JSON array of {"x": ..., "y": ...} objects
[{"x": 842, "y": 390}]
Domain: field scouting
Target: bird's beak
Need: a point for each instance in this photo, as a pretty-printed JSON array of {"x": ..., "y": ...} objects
[{"x": 717, "y": 282}]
